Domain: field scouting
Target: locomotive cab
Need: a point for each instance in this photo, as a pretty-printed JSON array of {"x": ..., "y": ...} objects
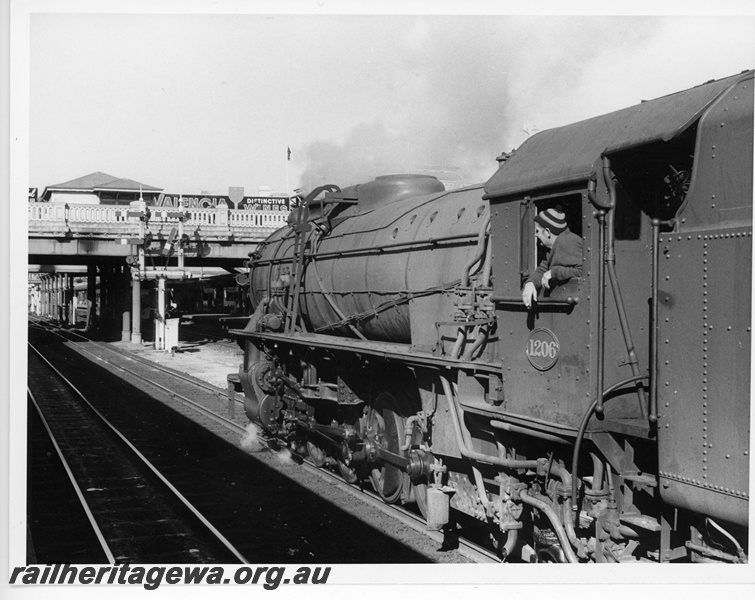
[
  {"x": 543, "y": 350},
  {"x": 665, "y": 191}
]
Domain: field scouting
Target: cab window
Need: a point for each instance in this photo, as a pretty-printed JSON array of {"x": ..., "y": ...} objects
[{"x": 532, "y": 252}]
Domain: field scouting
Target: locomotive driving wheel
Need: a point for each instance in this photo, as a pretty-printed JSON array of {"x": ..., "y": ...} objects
[{"x": 388, "y": 426}]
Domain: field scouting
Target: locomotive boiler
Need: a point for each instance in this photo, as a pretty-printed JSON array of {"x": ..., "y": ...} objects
[{"x": 608, "y": 422}]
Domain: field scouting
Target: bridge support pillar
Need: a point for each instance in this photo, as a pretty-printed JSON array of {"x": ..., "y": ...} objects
[
  {"x": 63, "y": 295},
  {"x": 126, "y": 331},
  {"x": 160, "y": 320},
  {"x": 106, "y": 294},
  {"x": 103, "y": 294},
  {"x": 136, "y": 310},
  {"x": 71, "y": 316},
  {"x": 43, "y": 296},
  {"x": 50, "y": 313},
  {"x": 56, "y": 297},
  {"x": 51, "y": 297},
  {"x": 55, "y": 286},
  {"x": 91, "y": 294},
  {"x": 48, "y": 297},
  {"x": 124, "y": 287}
]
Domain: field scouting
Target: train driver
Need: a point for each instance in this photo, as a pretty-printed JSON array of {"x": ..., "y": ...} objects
[{"x": 564, "y": 259}]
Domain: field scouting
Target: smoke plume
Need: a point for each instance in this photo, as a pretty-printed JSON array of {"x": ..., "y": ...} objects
[{"x": 459, "y": 98}]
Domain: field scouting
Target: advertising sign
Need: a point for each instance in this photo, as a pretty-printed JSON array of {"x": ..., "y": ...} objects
[{"x": 235, "y": 200}]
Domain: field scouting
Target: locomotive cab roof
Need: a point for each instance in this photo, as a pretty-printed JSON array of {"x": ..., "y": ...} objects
[{"x": 572, "y": 153}]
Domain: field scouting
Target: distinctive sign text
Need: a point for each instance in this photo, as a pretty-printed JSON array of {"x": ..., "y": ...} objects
[{"x": 214, "y": 201}]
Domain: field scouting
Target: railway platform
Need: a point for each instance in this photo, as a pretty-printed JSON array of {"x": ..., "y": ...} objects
[{"x": 206, "y": 359}]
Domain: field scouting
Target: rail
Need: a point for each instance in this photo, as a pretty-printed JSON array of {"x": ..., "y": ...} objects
[{"x": 145, "y": 466}]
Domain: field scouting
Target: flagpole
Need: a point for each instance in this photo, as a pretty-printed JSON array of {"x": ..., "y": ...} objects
[{"x": 288, "y": 157}]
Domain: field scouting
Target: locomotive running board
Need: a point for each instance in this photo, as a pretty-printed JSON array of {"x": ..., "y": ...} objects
[
  {"x": 384, "y": 350},
  {"x": 403, "y": 353}
]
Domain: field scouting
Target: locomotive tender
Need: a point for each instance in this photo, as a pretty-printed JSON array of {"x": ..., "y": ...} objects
[{"x": 607, "y": 423}]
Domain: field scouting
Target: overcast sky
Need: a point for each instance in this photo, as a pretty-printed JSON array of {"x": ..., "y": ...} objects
[{"x": 201, "y": 102}]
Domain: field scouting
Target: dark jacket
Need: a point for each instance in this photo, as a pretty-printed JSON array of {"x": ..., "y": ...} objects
[{"x": 564, "y": 260}]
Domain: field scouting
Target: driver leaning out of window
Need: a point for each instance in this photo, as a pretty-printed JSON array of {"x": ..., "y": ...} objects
[{"x": 564, "y": 259}]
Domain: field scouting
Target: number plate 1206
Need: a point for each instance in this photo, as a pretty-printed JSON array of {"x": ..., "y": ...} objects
[{"x": 543, "y": 349}]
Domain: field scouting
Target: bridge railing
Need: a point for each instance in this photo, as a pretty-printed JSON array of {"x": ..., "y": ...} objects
[
  {"x": 96, "y": 213},
  {"x": 267, "y": 219},
  {"x": 113, "y": 220}
]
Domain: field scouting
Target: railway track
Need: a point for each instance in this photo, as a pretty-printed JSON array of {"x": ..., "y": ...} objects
[
  {"x": 125, "y": 364},
  {"x": 135, "y": 513}
]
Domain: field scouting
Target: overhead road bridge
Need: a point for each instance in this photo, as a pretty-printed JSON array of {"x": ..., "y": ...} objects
[
  {"x": 205, "y": 236},
  {"x": 123, "y": 245}
]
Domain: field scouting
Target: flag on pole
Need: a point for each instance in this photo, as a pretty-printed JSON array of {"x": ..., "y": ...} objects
[{"x": 288, "y": 159}]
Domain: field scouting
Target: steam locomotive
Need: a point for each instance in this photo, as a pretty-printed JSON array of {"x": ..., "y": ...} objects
[{"x": 607, "y": 422}]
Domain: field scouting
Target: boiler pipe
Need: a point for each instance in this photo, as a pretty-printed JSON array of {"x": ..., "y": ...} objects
[
  {"x": 511, "y": 538},
  {"x": 479, "y": 341},
  {"x": 511, "y": 534},
  {"x": 528, "y": 432},
  {"x": 482, "y": 337},
  {"x": 479, "y": 251},
  {"x": 581, "y": 435},
  {"x": 546, "y": 508},
  {"x": 472, "y": 454},
  {"x": 557, "y": 470},
  {"x": 597, "y": 472},
  {"x": 487, "y": 267},
  {"x": 507, "y": 463},
  {"x": 460, "y": 338},
  {"x": 611, "y": 264},
  {"x": 432, "y": 243},
  {"x": 601, "y": 312},
  {"x": 408, "y": 431}
]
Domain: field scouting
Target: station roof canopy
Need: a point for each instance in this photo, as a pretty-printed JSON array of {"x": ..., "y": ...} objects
[
  {"x": 99, "y": 181},
  {"x": 568, "y": 154},
  {"x": 126, "y": 185}
]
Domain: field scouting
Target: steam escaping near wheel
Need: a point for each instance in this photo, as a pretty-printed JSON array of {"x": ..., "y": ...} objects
[
  {"x": 285, "y": 456},
  {"x": 252, "y": 439}
]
